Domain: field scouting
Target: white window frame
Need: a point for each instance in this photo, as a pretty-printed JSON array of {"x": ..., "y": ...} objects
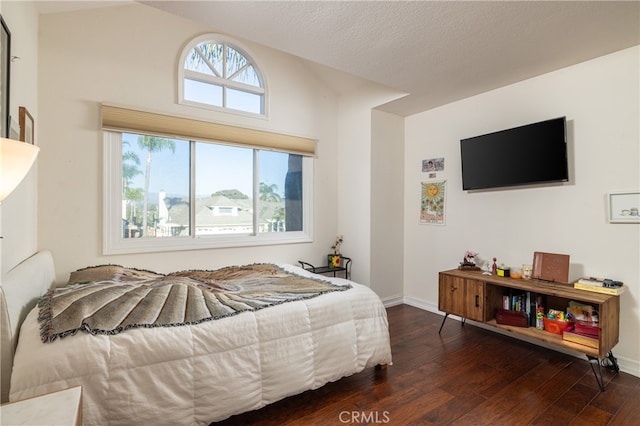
[
  {"x": 114, "y": 243},
  {"x": 182, "y": 74}
]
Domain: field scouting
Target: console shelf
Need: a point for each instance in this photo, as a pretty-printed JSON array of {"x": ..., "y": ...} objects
[{"x": 475, "y": 296}]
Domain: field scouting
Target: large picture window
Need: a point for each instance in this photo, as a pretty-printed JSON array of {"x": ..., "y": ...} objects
[{"x": 165, "y": 193}]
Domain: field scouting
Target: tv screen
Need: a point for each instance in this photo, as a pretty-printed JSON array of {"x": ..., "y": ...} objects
[{"x": 531, "y": 154}]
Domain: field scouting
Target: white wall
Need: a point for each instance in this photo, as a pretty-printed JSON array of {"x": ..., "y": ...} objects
[
  {"x": 127, "y": 55},
  {"x": 600, "y": 99},
  {"x": 387, "y": 209},
  {"x": 353, "y": 164},
  {"x": 19, "y": 211}
]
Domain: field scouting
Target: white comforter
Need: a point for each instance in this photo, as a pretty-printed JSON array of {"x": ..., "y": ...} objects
[{"x": 207, "y": 372}]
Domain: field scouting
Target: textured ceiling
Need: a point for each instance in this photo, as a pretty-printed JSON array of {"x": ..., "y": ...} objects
[{"x": 436, "y": 52}]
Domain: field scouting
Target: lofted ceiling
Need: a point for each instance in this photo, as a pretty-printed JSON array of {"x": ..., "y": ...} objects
[{"x": 436, "y": 52}]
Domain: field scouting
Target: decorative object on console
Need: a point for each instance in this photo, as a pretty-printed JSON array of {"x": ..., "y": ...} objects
[
  {"x": 504, "y": 271},
  {"x": 486, "y": 268},
  {"x": 483, "y": 265},
  {"x": 469, "y": 261},
  {"x": 16, "y": 159},
  {"x": 469, "y": 257},
  {"x": 551, "y": 267},
  {"x": 527, "y": 271}
]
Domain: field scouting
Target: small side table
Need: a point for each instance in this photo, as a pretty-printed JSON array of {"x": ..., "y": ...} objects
[
  {"x": 345, "y": 266},
  {"x": 56, "y": 408}
]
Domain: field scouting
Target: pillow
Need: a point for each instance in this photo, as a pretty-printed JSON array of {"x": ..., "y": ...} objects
[{"x": 110, "y": 272}]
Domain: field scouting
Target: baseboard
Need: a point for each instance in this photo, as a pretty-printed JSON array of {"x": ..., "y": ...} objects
[
  {"x": 392, "y": 301},
  {"x": 425, "y": 306},
  {"x": 629, "y": 366}
]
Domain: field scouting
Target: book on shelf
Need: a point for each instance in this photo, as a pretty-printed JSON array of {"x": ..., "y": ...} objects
[
  {"x": 506, "y": 303},
  {"x": 615, "y": 291},
  {"x": 598, "y": 282},
  {"x": 587, "y": 328},
  {"x": 571, "y": 337},
  {"x": 521, "y": 305}
]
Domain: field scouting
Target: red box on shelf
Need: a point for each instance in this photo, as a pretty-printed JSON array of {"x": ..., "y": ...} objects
[
  {"x": 515, "y": 318},
  {"x": 555, "y": 326}
]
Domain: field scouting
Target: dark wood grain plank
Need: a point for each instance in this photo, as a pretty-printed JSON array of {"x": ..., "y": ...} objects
[{"x": 466, "y": 375}]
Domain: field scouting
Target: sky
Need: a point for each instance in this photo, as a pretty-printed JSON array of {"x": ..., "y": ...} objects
[{"x": 217, "y": 167}]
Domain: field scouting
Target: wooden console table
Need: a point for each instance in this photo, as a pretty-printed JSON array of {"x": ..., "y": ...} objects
[{"x": 472, "y": 295}]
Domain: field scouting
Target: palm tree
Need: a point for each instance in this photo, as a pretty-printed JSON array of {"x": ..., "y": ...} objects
[
  {"x": 268, "y": 193},
  {"x": 151, "y": 144},
  {"x": 223, "y": 61},
  {"x": 130, "y": 163},
  {"x": 129, "y": 171},
  {"x": 135, "y": 195}
]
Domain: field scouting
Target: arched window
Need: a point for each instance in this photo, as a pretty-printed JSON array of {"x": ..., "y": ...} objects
[{"x": 215, "y": 73}]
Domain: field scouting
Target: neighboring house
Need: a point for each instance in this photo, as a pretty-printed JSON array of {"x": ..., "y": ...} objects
[{"x": 218, "y": 215}]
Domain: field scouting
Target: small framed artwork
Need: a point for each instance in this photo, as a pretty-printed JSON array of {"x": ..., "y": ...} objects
[
  {"x": 5, "y": 58},
  {"x": 26, "y": 126},
  {"x": 432, "y": 203},
  {"x": 624, "y": 207},
  {"x": 15, "y": 130},
  {"x": 433, "y": 165}
]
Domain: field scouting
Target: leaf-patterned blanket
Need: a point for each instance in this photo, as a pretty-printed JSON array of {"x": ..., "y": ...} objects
[{"x": 109, "y": 299}]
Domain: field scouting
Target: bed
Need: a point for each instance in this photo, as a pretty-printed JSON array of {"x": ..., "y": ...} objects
[{"x": 199, "y": 371}]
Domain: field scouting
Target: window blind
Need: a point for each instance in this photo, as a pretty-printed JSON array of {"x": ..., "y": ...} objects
[{"x": 130, "y": 120}]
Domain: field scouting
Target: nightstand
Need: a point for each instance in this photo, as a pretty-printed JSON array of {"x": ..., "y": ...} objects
[
  {"x": 345, "y": 266},
  {"x": 59, "y": 408}
]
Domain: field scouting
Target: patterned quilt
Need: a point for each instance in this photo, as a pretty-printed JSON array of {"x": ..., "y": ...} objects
[{"x": 109, "y": 299}]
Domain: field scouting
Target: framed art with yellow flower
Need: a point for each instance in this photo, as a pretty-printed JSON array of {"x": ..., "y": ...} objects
[{"x": 432, "y": 202}]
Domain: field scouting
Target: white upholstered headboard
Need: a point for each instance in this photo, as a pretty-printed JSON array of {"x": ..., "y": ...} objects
[{"x": 19, "y": 292}]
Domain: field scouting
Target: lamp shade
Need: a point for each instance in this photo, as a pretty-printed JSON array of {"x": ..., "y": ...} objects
[{"x": 16, "y": 159}]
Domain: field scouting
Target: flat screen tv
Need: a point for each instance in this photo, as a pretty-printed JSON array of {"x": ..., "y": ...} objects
[{"x": 526, "y": 155}]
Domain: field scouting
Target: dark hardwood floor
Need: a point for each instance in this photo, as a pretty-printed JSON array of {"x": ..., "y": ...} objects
[{"x": 465, "y": 376}]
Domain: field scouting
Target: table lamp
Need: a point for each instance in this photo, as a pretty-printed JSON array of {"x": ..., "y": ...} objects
[{"x": 16, "y": 159}]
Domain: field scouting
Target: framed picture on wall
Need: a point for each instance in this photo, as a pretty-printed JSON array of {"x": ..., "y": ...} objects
[
  {"x": 5, "y": 61},
  {"x": 624, "y": 207},
  {"x": 432, "y": 202},
  {"x": 26, "y": 126}
]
